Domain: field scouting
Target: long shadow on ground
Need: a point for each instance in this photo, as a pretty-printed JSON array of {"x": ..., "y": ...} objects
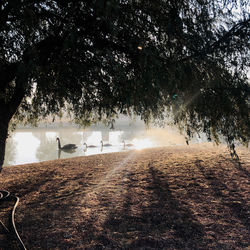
[
  {"x": 149, "y": 218},
  {"x": 151, "y": 206}
]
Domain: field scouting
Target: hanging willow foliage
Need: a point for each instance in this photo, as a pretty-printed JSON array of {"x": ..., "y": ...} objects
[{"x": 186, "y": 60}]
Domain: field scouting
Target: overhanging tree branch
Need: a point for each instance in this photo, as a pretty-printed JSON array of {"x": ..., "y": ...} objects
[{"x": 241, "y": 28}]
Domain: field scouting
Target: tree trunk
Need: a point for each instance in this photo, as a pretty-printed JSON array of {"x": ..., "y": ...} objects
[
  {"x": 4, "y": 123},
  {"x": 6, "y": 113},
  {"x": 10, "y": 99}
]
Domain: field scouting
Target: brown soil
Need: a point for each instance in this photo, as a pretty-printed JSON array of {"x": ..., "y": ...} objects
[{"x": 192, "y": 197}]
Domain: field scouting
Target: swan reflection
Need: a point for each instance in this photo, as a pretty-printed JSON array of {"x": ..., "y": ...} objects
[{"x": 68, "y": 151}]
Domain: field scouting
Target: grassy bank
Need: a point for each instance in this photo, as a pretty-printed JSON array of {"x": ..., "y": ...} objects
[{"x": 192, "y": 197}]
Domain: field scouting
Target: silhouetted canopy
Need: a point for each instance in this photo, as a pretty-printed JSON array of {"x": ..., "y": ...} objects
[{"x": 184, "y": 60}]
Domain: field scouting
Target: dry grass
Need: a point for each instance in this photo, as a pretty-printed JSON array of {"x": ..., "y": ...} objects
[{"x": 165, "y": 198}]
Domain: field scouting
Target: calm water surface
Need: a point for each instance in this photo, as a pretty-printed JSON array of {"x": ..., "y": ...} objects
[{"x": 36, "y": 145}]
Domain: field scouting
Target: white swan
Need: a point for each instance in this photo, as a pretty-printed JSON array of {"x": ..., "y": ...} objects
[
  {"x": 106, "y": 144},
  {"x": 128, "y": 144},
  {"x": 88, "y": 146}
]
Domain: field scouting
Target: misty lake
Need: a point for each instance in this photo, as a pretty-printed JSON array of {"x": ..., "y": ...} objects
[{"x": 39, "y": 144}]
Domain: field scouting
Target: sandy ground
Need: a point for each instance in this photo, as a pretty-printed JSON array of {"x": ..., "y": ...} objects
[{"x": 187, "y": 197}]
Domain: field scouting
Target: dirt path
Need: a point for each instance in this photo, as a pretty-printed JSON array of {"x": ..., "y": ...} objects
[{"x": 165, "y": 198}]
